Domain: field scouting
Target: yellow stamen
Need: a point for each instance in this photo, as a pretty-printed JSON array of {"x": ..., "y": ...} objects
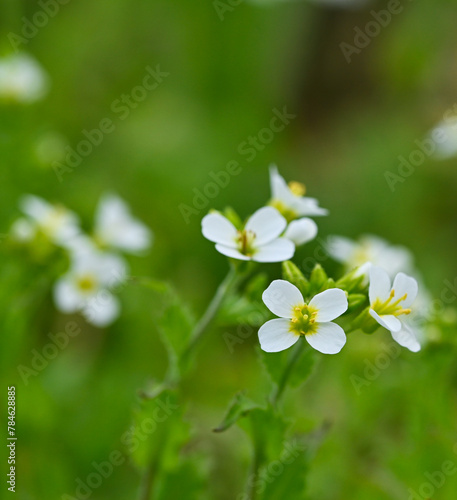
[{"x": 297, "y": 188}]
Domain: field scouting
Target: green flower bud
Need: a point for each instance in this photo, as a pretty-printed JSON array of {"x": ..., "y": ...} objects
[{"x": 290, "y": 272}]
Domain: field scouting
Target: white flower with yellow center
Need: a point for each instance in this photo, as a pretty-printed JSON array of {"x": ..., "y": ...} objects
[
  {"x": 22, "y": 79},
  {"x": 258, "y": 241},
  {"x": 85, "y": 287},
  {"x": 369, "y": 250},
  {"x": 391, "y": 305},
  {"x": 115, "y": 227},
  {"x": 54, "y": 221},
  {"x": 298, "y": 319},
  {"x": 290, "y": 198}
]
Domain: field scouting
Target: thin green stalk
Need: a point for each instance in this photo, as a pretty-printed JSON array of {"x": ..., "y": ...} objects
[
  {"x": 211, "y": 312},
  {"x": 296, "y": 353}
]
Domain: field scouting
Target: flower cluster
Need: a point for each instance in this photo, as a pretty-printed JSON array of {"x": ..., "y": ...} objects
[
  {"x": 96, "y": 267},
  {"x": 318, "y": 308},
  {"x": 273, "y": 232}
]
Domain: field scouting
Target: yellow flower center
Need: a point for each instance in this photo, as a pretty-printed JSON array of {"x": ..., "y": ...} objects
[
  {"x": 87, "y": 283},
  {"x": 284, "y": 210},
  {"x": 297, "y": 188},
  {"x": 303, "y": 321},
  {"x": 389, "y": 307},
  {"x": 245, "y": 240}
]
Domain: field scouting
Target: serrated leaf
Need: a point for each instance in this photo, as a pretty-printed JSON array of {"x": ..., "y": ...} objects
[{"x": 239, "y": 407}]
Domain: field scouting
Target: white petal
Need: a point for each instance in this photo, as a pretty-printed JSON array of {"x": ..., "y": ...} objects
[
  {"x": 66, "y": 296},
  {"x": 23, "y": 229},
  {"x": 406, "y": 338},
  {"x": 102, "y": 309},
  {"x": 281, "y": 297},
  {"x": 330, "y": 304},
  {"x": 379, "y": 284},
  {"x": 275, "y": 335},
  {"x": 35, "y": 207},
  {"x": 278, "y": 250},
  {"x": 305, "y": 206},
  {"x": 340, "y": 248},
  {"x": 217, "y": 228},
  {"x": 231, "y": 252},
  {"x": 404, "y": 284},
  {"x": 388, "y": 321},
  {"x": 279, "y": 188},
  {"x": 329, "y": 338},
  {"x": 267, "y": 224},
  {"x": 301, "y": 231},
  {"x": 115, "y": 226}
]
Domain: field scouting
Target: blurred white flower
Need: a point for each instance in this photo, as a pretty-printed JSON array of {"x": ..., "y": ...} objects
[
  {"x": 85, "y": 287},
  {"x": 369, "y": 250},
  {"x": 55, "y": 221},
  {"x": 258, "y": 241},
  {"x": 391, "y": 305},
  {"x": 115, "y": 227},
  {"x": 296, "y": 319},
  {"x": 444, "y": 136},
  {"x": 301, "y": 231},
  {"x": 22, "y": 79},
  {"x": 289, "y": 198}
]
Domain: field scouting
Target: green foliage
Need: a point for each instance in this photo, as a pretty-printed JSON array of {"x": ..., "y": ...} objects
[
  {"x": 239, "y": 407},
  {"x": 275, "y": 364},
  {"x": 292, "y": 273}
]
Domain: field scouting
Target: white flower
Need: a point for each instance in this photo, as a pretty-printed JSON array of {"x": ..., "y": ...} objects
[
  {"x": 444, "y": 136},
  {"x": 390, "y": 306},
  {"x": 22, "y": 79},
  {"x": 115, "y": 227},
  {"x": 296, "y": 319},
  {"x": 301, "y": 231},
  {"x": 289, "y": 198},
  {"x": 369, "y": 250},
  {"x": 55, "y": 221},
  {"x": 258, "y": 241},
  {"x": 85, "y": 287}
]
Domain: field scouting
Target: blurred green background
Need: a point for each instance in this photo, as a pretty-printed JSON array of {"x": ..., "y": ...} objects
[{"x": 226, "y": 76}]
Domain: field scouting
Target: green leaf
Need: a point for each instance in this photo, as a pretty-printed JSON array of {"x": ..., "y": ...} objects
[
  {"x": 275, "y": 363},
  {"x": 239, "y": 407},
  {"x": 290, "y": 272},
  {"x": 187, "y": 477},
  {"x": 267, "y": 430},
  {"x": 285, "y": 477},
  {"x": 238, "y": 310},
  {"x": 159, "y": 431}
]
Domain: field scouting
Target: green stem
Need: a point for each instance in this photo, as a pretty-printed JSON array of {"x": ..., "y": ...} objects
[
  {"x": 279, "y": 389},
  {"x": 252, "y": 478},
  {"x": 211, "y": 312}
]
